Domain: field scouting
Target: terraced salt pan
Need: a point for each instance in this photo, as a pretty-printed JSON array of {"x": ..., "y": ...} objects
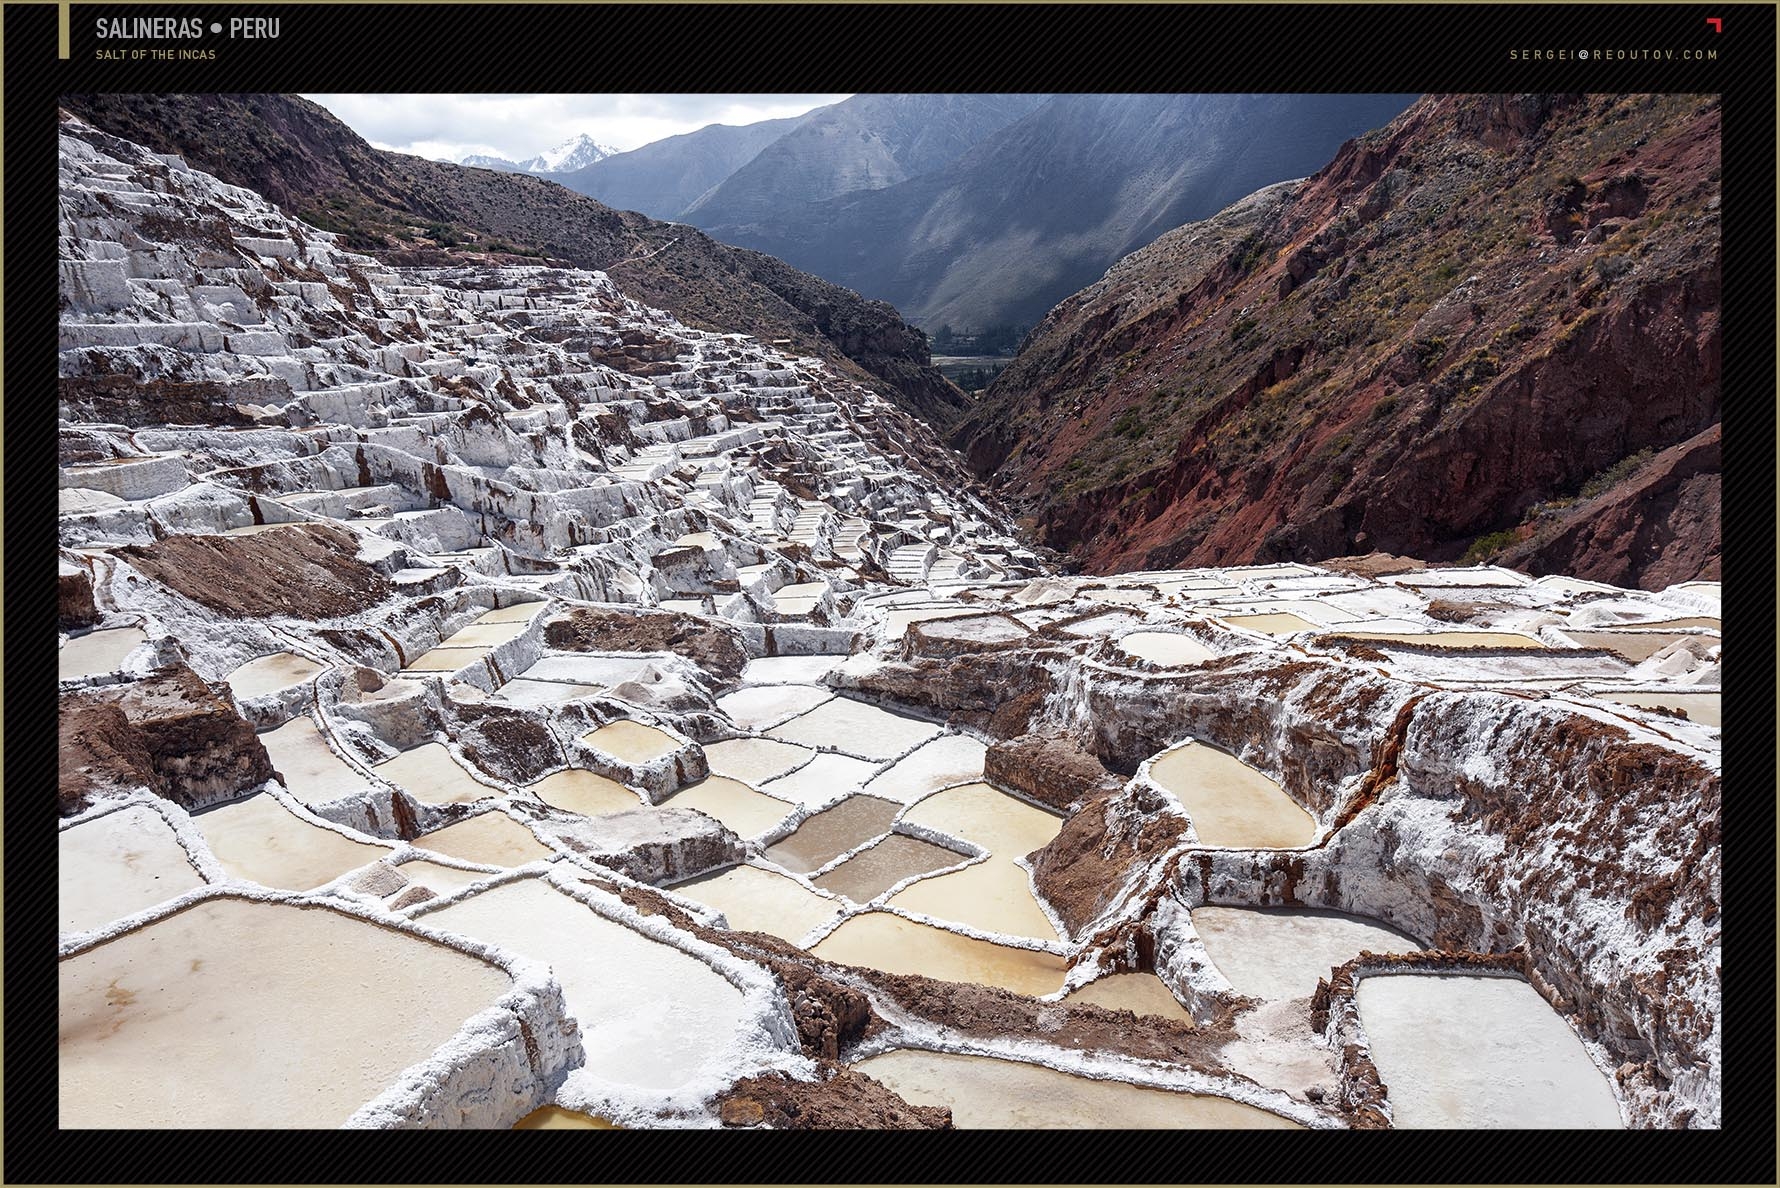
[
  {"x": 116, "y": 865},
  {"x": 240, "y": 1014},
  {"x": 519, "y": 612},
  {"x": 949, "y": 759},
  {"x": 882, "y": 941},
  {"x": 588, "y": 793},
  {"x": 438, "y": 878},
  {"x": 1168, "y": 648},
  {"x": 530, "y": 694},
  {"x": 484, "y": 634},
  {"x": 630, "y": 741},
  {"x": 446, "y": 659},
  {"x": 755, "y": 900},
  {"x": 1460, "y": 1051},
  {"x": 492, "y": 838},
  {"x": 1270, "y": 624},
  {"x": 989, "y": 1094},
  {"x": 789, "y": 670},
  {"x": 800, "y": 598},
  {"x": 826, "y": 835},
  {"x": 432, "y": 776},
  {"x": 97, "y": 652},
  {"x": 856, "y": 728},
  {"x": 271, "y": 673},
  {"x": 992, "y": 896},
  {"x": 258, "y": 839},
  {"x": 1099, "y": 625},
  {"x": 1007, "y": 827},
  {"x": 312, "y": 772},
  {"x": 1139, "y": 993},
  {"x": 755, "y": 760},
  {"x": 1281, "y": 952},
  {"x": 768, "y": 705},
  {"x": 650, "y": 1015},
  {"x": 1449, "y": 639},
  {"x": 747, "y": 812},
  {"x": 1230, "y": 803},
  {"x": 873, "y": 871},
  {"x": 896, "y": 622},
  {"x": 823, "y": 779},
  {"x": 1633, "y": 645},
  {"x": 1699, "y": 707},
  {"x": 556, "y": 1118}
]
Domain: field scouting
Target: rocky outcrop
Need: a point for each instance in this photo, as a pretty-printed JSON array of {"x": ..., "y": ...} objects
[
  {"x": 1052, "y": 769},
  {"x": 306, "y": 570},
  {"x": 74, "y": 596},
  {"x": 1368, "y": 362},
  {"x": 169, "y": 732},
  {"x": 714, "y": 647}
]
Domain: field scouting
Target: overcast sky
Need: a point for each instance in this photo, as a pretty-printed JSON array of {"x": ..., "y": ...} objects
[{"x": 518, "y": 126}]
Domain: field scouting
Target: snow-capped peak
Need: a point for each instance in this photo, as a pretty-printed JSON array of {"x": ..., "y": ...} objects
[{"x": 576, "y": 153}]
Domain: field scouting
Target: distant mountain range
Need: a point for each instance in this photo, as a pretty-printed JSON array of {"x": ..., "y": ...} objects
[
  {"x": 576, "y": 153},
  {"x": 980, "y": 211}
]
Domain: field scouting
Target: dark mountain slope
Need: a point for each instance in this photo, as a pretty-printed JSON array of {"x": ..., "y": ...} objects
[
  {"x": 1043, "y": 206},
  {"x": 415, "y": 211},
  {"x": 1489, "y": 329},
  {"x": 663, "y": 178}
]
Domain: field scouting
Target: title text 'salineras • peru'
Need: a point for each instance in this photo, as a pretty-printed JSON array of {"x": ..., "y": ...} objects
[{"x": 1098, "y": 611}]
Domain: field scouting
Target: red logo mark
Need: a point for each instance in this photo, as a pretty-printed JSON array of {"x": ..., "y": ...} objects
[{"x": 1717, "y": 24}]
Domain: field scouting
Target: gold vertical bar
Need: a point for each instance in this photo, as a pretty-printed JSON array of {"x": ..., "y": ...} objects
[{"x": 62, "y": 29}]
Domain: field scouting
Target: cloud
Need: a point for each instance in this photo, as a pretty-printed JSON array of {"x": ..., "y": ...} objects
[{"x": 517, "y": 126}]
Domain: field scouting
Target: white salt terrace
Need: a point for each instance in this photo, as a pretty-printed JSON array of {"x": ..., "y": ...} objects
[
  {"x": 1463, "y": 1051},
  {"x": 1170, "y": 649},
  {"x": 631, "y": 742},
  {"x": 866, "y": 731},
  {"x": 97, "y": 652},
  {"x": 491, "y": 839},
  {"x": 578, "y": 791},
  {"x": 117, "y": 865},
  {"x": 1281, "y": 952},
  {"x": 650, "y": 1015},
  {"x": 880, "y": 940},
  {"x": 989, "y": 1094},
  {"x": 258, "y": 839},
  {"x": 430, "y": 774},
  {"x": 756, "y": 900},
  {"x": 1229, "y": 802},
  {"x": 312, "y": 772},
  {"x": 269, "y": 674},
  {"x": 307, "y": 1015},
  {"x": 822, "y": 779}
]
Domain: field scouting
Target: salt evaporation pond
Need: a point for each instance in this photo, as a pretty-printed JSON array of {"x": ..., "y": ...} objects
[
  {"x": 882, "y": 941},
  {"x": 556, "y": 1118},
  {"x": 1699, "y": 707},
  {"x": 576, "y": 790},
  {"x": 650, "y": 1015},
  {"x": 1447, "y": 639},
  {"x": 432, "y": 776},
  {"x": 989, "y": 1094},
  {"x": 1004, "y": 825},
  {"x": 843, "y": 724},
  {"x": 116, "y": 865},
  {"x": 1281, "y": 952},
  {"x": 258, "y": 839},
  {"x": 755, "y": 900},
  {"x": 741, "y": 808},
  {"x": 1230, "y": 803},
  {"x": 822, "y": 779},
  {"x": 97, "y": 652},
  {"x": 1139, "y": 993},
  {"x": 1270, "y": 624},
  {"x": 949, "y": 759},
  {"x": 492, "y": 838},
  {"x": 992, "y": 896},
  {"x": 312, "y": 772},
  {"x": 1479, "y": 1052},
  {"x": 259, "y": 1015},
  {"x": 826, "y": 835},
  {"x": 755, "y": 759},
  {"x": 1167, "y": 648},
  {"x": 876, "y": 869},
  {"x": 631, "y": 742},
  {"x": 767, "y": 705},
  {"x": 269, "y": 674}
]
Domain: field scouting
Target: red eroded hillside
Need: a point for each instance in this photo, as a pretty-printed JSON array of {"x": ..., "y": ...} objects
[{"x": 1475, "y": 333}]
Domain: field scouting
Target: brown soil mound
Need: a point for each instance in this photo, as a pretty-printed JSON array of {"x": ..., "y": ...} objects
[
  {"x": 309, "y": 571},
  {"x": 843, "y": 1100},
  {"x": 709, "y": 645}
]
